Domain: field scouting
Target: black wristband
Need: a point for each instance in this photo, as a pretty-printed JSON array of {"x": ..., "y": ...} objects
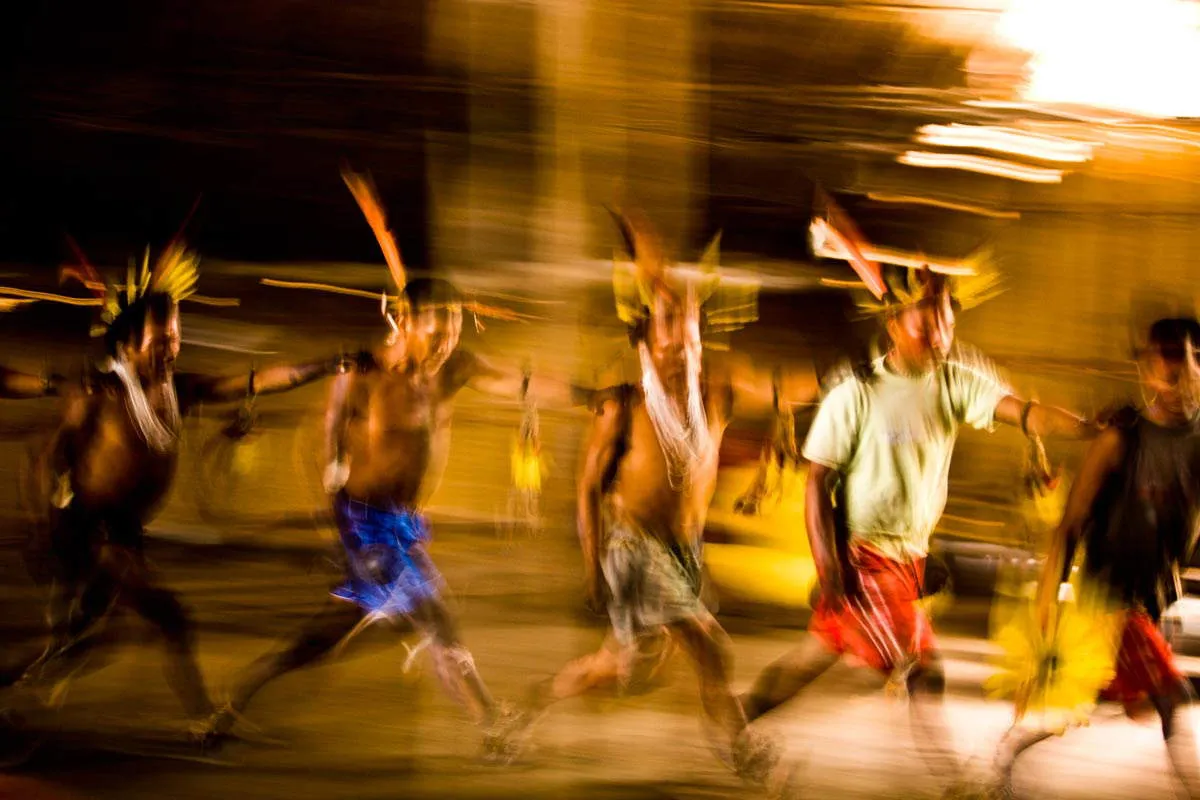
[{"x": 1025, "y": 416}]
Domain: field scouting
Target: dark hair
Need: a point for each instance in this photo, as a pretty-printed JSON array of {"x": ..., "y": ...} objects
[
  {"x": 431, "y": 292},
  {"x": 1170, "y": 336},
  {"x": 130, "y": 323}
]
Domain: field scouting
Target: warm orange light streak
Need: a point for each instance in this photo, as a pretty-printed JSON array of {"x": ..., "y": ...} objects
[
  {"x": 1006, "y": 140},
  {"x": 983, "y": 165},
  {"x": 902, "y": 199}
]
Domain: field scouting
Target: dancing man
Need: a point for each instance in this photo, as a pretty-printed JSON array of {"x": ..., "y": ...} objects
[
  {"x": 1134, "y": 509},
  {"x": 388, "y": 431},
  {"x": 113, "y": 461},
  {"x": 885, "y": 436},
  {"x": 648, "y": 478}
]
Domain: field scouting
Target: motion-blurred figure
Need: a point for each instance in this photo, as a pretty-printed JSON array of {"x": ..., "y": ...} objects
[
  {"x": 885, "y": 436},
  {"x": 1134, "y": 509},
  {"x": 113, "y": 460},
  {"x": 388, "y": 427},
  {"x": 649, "y": 474}
]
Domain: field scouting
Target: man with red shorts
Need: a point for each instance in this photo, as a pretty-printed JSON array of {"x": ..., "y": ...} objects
[
  {"x": 881, "y": 443},
  {"x": 1134, "y": 508}
]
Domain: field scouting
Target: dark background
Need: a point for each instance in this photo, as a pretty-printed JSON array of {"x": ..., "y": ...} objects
[{"x": 121, "y": 114}]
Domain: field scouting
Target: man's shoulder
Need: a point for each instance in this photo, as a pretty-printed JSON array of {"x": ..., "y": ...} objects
[
  {"x": 849, "y": 377},
  {"x": 620, "y": 396}
]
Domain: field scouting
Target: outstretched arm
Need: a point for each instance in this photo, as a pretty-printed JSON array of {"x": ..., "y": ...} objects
[
  {"x": 511, "y": 382},
  {"x": 272, "y": 380},
  {"x": 1102, "y": 460},
  {"x": 1035, "y": 419},
  {"x": 758, "y": 392},
  {"x": 21, "y": 386}
]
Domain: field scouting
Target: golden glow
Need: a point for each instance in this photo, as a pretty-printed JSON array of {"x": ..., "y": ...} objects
[
  {"x": 982, "y": 164},
  {"x": 1137, "y": 56},
  {"x": 1006, "y": 140}
]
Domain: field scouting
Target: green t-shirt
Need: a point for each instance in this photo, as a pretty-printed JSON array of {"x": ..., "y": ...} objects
[{"x": 891, "y": 438}]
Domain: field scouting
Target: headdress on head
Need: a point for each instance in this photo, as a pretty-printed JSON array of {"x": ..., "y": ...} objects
[
  {"x": 907, "y": 287},
  {"x": 174, "y": 273},
  {"x": 727, "y": 306},
  {"x": 393, "y": 306},
  {"x": 971, "y": 283}
]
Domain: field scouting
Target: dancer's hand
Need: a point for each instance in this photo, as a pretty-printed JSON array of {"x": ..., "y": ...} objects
[
  {"x": 1039, "y": 475},
  {"x": 62, "y": 495},
  {"x": 336, "y": 475}
]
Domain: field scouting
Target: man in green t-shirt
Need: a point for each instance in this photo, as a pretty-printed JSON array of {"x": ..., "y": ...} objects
[{"x": 883, "y": 439}]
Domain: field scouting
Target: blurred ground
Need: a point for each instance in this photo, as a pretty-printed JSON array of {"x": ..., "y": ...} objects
[{"x": 245, "y": 542}]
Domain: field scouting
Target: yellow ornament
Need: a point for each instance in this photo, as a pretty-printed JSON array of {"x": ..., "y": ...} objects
[
  {"x": 1054, "y": 673},
  {"x": 528, "y": 466}
]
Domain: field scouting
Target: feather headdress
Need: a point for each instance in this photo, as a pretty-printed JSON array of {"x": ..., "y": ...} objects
[
  {"x": 174, "y": 273},
  {"x": 393, "y": 306},
  {"x": 893, "y": 286},
  {"x": 647, "y": 274}
]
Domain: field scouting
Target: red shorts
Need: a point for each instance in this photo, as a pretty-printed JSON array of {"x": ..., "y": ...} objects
[
  {"x": 1145, "y": 665},
  {"x": 886, "y": 627}
]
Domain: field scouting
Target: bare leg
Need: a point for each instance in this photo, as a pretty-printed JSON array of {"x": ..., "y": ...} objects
[
  {"x": 454, "y": 663},
  {"x": 927, "y": 688},
  {"x": 318, "y": 637},
  {"x": 709, "y": 646},
  {"x": 599, "y": 670},
  {"x": 1181, "y": 743},
  {"x": 787, "y": 677},
  {"x": 162, "y": 608},
  {"x": 1015, "y": 742}
]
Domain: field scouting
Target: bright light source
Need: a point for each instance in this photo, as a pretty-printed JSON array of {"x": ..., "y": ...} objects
[{"x": 1137, "y": 56}]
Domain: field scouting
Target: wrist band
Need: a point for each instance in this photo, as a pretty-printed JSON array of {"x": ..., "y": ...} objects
[{"x": 1025, "y": 416}]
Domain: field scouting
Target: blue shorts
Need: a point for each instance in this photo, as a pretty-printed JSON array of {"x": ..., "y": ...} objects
[{"x": 388, "y": 570}]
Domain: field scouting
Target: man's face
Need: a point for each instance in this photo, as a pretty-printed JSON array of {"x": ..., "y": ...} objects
[
  {"x": 159, "y": 346},
  {"x": 1172, "y": 375},
  {"x": 674, "y": 333},
  {"x": 924, "y": 333},
  {"x": 432, "y": 333}
]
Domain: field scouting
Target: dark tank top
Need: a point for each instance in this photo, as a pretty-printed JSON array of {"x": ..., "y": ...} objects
[{"x": 1143, "y": 521}]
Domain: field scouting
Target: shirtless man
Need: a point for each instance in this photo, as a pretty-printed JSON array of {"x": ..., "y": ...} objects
[
  {"x": 114, "y": 458},
  {"x": 648, "y": 477},
  {"x": 883, "y": 439},
  {"x": 1134, "y": 507},
  {"x": 388, "y": 426}
]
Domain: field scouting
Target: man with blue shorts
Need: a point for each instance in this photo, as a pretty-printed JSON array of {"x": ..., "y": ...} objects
[{"x": 388, "y": 426}]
